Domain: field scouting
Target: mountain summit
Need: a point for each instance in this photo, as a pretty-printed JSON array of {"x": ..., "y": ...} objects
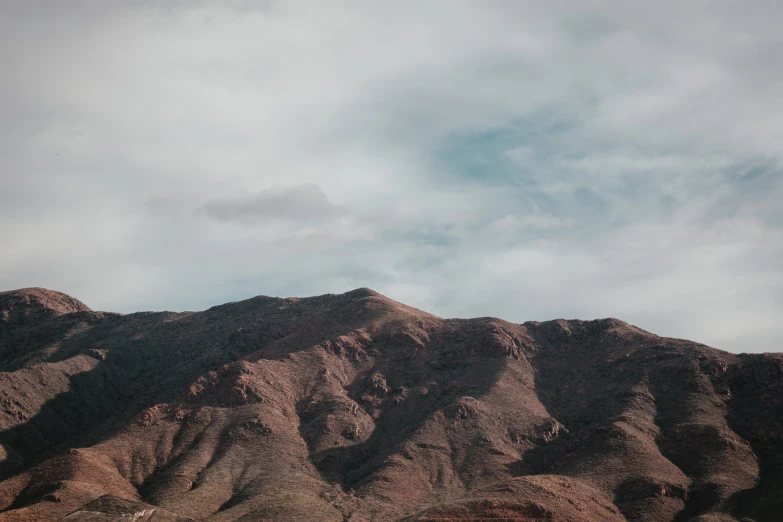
[{"x": 355, "y": 407}]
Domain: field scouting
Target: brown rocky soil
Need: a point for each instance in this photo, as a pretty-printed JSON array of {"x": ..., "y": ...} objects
[
  {"x": 354, "y": 407},
  {"x": 109, "y": 508}
]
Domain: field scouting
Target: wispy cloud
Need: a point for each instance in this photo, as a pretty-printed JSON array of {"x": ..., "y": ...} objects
[{"x": 512, "y": 222}]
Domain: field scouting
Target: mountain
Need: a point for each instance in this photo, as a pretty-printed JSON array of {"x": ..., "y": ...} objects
[{"x": 354, "y": 407}]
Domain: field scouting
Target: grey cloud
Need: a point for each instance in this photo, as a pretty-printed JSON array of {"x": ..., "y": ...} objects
[{"x": 302, "y": 203}]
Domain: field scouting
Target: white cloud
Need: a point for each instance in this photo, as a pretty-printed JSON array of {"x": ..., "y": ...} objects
[{"x": 521, "y": 159}]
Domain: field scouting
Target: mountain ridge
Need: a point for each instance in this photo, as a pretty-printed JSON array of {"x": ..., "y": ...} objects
[{"x": 356, "y": 407}]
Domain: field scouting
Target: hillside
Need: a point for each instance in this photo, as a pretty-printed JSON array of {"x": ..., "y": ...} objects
[{"x": 354, "y": 407}]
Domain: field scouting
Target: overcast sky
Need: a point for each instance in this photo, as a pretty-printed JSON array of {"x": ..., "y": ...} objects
[{"x": 526, "y": 160}]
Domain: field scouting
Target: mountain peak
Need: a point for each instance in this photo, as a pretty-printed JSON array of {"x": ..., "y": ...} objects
[
  {"x": 37, "y": 303},
  {"x": 363, "y": 292}
]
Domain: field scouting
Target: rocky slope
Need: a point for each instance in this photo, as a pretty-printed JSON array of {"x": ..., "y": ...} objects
[{"x": 355, "y": 407}]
